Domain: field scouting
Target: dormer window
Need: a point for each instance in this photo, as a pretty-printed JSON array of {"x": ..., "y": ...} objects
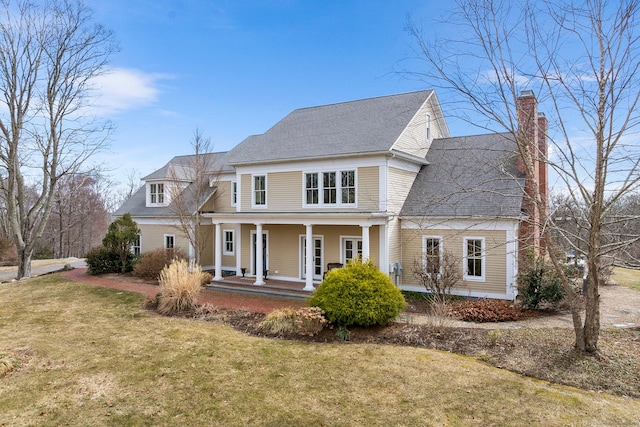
[{"x": 156, "y": 194}]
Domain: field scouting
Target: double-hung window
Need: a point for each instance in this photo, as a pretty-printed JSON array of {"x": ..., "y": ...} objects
[
  {"x": 156, "y": 194},
  {"x": 432, "y": 255},
  {"x": 234, "y": 193},
  {"x": 474, "y": 258},
  {"x": 348, "y": 186},
  {"x": 169, "y": 241},
  {"x": 260, "y": 190},
  {"x": 311, "y": 188},
  {"x": 228, "y": 242},
  {"x": 136, "y": 247},
  {"x": 329, "y": 189}
]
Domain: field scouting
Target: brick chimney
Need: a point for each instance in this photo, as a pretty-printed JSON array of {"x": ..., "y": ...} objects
[{"x": 532, "y": 128}]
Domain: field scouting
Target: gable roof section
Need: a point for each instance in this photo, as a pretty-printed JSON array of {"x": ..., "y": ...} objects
[
  {"x": 349, "y": 128},
  {"x": 469, "y": 176},
  {"x": 136, "y": 205},
  {"x": 181, "y": 165}
]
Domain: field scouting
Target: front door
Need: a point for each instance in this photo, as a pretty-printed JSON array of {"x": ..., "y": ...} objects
[
  {"x": 265, "y": 253},
  {"x": 318, "y": 256}
]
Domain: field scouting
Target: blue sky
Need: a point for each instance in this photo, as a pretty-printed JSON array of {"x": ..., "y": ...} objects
[{"x": 234, "y": 68}]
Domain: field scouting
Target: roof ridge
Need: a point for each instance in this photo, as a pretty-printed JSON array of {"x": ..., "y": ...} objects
[{"x": 362, "y": 99}]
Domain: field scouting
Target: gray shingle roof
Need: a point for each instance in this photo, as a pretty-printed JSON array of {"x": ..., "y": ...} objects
[
  {"x": 136, "y": 204},
  {"x": 469, "y": 176},
  {"x": 356, "y": 127},
  {"x": 181, "y": 164}
]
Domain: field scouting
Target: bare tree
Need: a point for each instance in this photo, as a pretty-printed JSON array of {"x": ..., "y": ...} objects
[
  {"x": 193, "y": 181},
  {"x": 582, "y": 60},
  {"x": 438, "y": 272},
  {"x": 49, "y": 54},
  {"x": 79, "y": 218}
]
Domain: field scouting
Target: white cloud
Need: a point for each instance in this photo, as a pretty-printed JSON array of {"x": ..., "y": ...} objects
[{"x": 123, "y": 89}]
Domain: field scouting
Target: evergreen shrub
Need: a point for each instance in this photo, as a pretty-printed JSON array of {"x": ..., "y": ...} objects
[
  {"x": 539, "y": 286},
  {"x": 358, "y": 294},
  {"x": 102, "y": 260}
]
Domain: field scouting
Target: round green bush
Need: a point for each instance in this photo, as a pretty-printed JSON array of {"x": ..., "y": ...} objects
[{"x": 358, "y": 294}]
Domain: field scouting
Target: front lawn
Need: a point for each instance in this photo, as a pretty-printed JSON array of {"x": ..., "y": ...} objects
[
  {"x": 628, "y": 277},
  {"x": 84, "y": 355}
]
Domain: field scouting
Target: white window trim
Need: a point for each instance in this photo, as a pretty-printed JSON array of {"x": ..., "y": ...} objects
[
  {"x": 343, "y": 258},
  {"x": 234, "y": 192},
  {"x": 164, "y": 241},
  {"x": 253, "y": 192},
  {"x": 224, "y": 242},
  {"x": 428, "y": 130},
  {"x": 321, "y": 203},
  {"x": 139, "y": 245},
  {"x": 465, "y": 276},
  {"x": 165, "y": 194},
  {"x": 301, "y": 239},
  {"x": 424, "y": 250}
]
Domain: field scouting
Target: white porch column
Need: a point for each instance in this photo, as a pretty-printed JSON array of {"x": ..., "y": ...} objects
[
  {"x": 218, "y": 253},
  {"x": 238, "y": 248},
  {"x": 365, "y": 242},
  {"x": 259, "y": 257},
  {"x": 308, "y": 284}
]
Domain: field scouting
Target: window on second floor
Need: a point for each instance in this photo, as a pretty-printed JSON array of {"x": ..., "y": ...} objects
[
  {"x": 156, "y": 194},
  {"x": 311, "y": 188},
  {"x": 234, "y": 193},
  {"x": 329, "y": 188},
  {"x": 348, "y": 187},
  {"x": 259, "y": 191}
]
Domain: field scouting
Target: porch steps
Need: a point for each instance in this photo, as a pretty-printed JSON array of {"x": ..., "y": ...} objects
[{"x": 264, "y": 290}]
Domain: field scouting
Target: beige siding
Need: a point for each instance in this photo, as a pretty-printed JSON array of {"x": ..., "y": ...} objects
[
  {"x": 245, "y": 191},
  {"x": 221, "y": 200},
  {"x": 152, "y": 237},
  {"x": 495, "y": 262},
  {"x": 399, "y": 184},
  {"x": 284, "y": 246},
  {"x": 206, "y": 236},
  {"x": 285, "y": 191},
  {"x": 368, "y": 188},
  {"x": 395, "y": 241},
  {"x": 413, "y": 139}
]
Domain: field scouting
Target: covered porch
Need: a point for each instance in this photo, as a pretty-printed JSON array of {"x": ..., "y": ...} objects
[{"x": 283, "y": 255}]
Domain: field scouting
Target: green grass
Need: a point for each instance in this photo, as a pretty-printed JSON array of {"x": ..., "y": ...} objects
[
  {"x": 627, "y": 277},
  {"x": 85, "y": 355}
]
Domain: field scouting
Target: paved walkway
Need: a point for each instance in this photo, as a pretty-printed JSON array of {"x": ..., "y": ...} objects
[
  {"x": 225, "y": 299},
  {"x": 9, "y": 273}
]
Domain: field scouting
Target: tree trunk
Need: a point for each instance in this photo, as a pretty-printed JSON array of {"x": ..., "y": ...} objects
[
  {"x": 24, "y": 263},
  {"x": 591, "y": 332}
]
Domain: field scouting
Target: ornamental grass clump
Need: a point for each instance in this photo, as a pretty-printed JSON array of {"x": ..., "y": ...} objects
[
  {"x": 280, "y": 321},
  {"x": 180, "y": 284},
  {"x": 307, "y": 321},
  {"x": 358, "y": 294}
]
